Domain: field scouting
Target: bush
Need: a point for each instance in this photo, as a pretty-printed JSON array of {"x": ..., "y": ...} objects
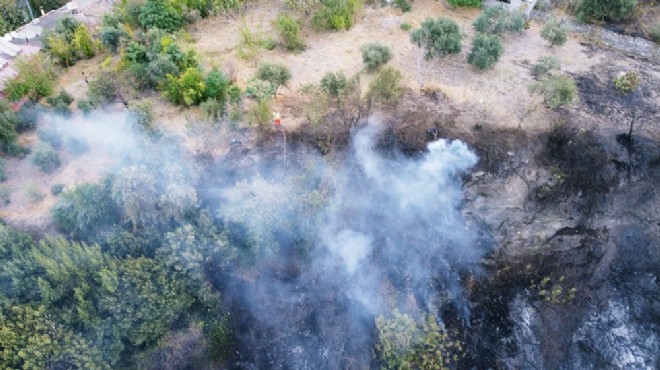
[
  {"x": 187, "y": 89},
  {"x": 33, "y": 193},
  {"x": 261, "y": 113},
  {"x": 217, "y": 84},
  {"x": 5, "y": 195},
  {"x": 627, "y": 82},
  {"x": 386, "y": 88},
  {"x": 57, "y": 189},
  {"x": 498, "y": 20},
  {"x": 555, "y": 33},
  {"x": 606, "y": 10},
  {"x": 213, "y": 109},
  {"x": 3, "y": 170},
  {"x": 61, "y": 102},
  {"x": 111, "y": 37},
  {"x": 28, "y": 116},
  {"x": 405, "y": 26},
  {"x": 45, "y": 157},
  {"x": 259, "y": 90},
  {"x": 36, "y": 78},
  {"x": 48, "y": 134},
  {"x": 336, "y": 14},
  {"x": 289, "y": 31},
  {"x": 83, "y": 43},
  {"x": 160, "y": 14},
  {"x": 8, "y": 121},
  {"x": 655, "y": 33},
  {"x": 486, "y": 51},
  {"x": 86, "y": 105},
  {"x": 142, "y": 115},
  {"x": 471, "y": 3},
  {"x": 109, "y": 87},
  {"x": 545, "y": 65},
  {"x": 158, "y": 69},
  {"x": 439, "y": 37},
  {"x": 333, "y": 84},
  {"x": 403, "y": 5},
  {"x": 557, "y": 90},
  {"x": 81, "y": 211},
  {"x": 277, "y": 74},
  {"x": 375, "y": 55}
]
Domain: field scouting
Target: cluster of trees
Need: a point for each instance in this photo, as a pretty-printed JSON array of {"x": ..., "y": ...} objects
[
  {"x": 70, "y": 41},
  {"x": 14, "y": 16}
]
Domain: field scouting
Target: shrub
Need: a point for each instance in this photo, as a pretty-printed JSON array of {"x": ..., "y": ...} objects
[
  {"x": 386, "y": 88},
  {"x": 289, "y": 31},
  {"x": 50, "y": 135},
  {"x": 217, "y": 84},
  {"x": 142, "y": 115},
  {"x": 160, "y": 14},
  {"x": 471, "y": 3},
  {"x": 111, "y": 37},
  {"x": 213, "y": 109},
  {"x": 3, "y": 170},
  {"x": 627, "y": 82},
  {"x": 655, "y": 33},
  {"x": 28, "y": 116},
  {"x": 5, "y": 195},
  {"x": 259, "y": 90},
  {"x": 109, "y": 87},
  {"x": 486, "y": 51},
  {"x": 333, "y": 84},
  {"x": 403, "y": 5},
  {"x": 336, "y": 14},
  {"x": 277, "y": 74},
  {"x": 375, "y": 55},
  {"x": 85, "y": 105},
  {"x": 45, "y": 157},
  {"x": 33, "y": 193},
  {"x": 405, "y": 26},
  {"x": 81, "y": 211},
  {"x": 8, "y": 121},
  {"x": 260, "y": 113},
  {"x": 187, "y": 89},
  {"x": 557, "y": 90},
  {"x": 439, "y": 37},
  {"x": 610, "y": 10},
  {"x": 498, "y": 20},
  {"x": 36, "y": 78},
  {"x": 158, "y": 69},
  {"x": 315, "y": 103},
  {"x": 57, "y": 189},
  {"x": 82, "y": 42},
  {"x": 545, "y": 65},
  {"x": 555, "y": 33},
  {"x": 61, "y": 102}
]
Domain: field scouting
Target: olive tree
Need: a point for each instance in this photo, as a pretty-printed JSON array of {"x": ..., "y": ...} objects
[
  {"x": 36, "y": 78},
  {"x": 436, "y": 38},
  {"x": 555, "y": 33},
  {"x": 486, "y": 51},
  {"x": 276, "y": 74}
]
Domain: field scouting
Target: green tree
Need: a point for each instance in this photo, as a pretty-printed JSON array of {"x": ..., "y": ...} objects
[
  {"x": 386, "y": 87},
  {"x": 36, "y": 78},
  {"x": 83, "y": 43},
  {"x": 606, "y": 10},
  {"x": 277, "y": 74},
  {"x": 336, "y": 14},
  {"x": 557, "y": 90},
  {"x": 187, "y": 89},
  {"x": 498, "y": 20},
  {"x": 31, "y": 339},
  {"x": 375, "y": 55},
  {"x": 61, "y": 49},
  {"x": 8, "y": 122},
  {"x": 289, "y": 31},
  {"x": 486, "y": 51},
  {"x": 81, "y": 211},
  {"x": 217, "y": 85},
  {"x": 555, "y": 33},
  {"x": 160, "y": 14},
  {"x": 469, "y": 3},
  {"x": 134, "y": 190},
  {"x": 45, "y": 157},
  {"x": 545, "y": 65},
  {"x": 438, "y": 37}
]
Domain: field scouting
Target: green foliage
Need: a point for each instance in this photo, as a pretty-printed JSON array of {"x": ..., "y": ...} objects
[
  {"x": 160, "y": 14},
  {"x": 8, "y": 122},
  {"x": 82, "y": 42},
  {"x": 82, "y": 211},
  {"x": 289, "y": 31},
  {"x": 28, "y": 116},
  {"x": 109, "y": 87},
  {"x": 405, "y": 26},
  {"x": 45, "y": 157},
  {"x": 545, "y": 65},
  {"x": 606, "y": 10},
  {"x": 112, "y": 32},
  {"x": 250, "y": 42},
  {"x": 49, "y": 134},
  {"x": 5, "y": 195},
  {"x": 346, "y": 96},
  {"x": 12, "y": 17},
  {"x": 654, "y": 32},
  {"x": 334, "y": 84},
  {"x": 470, "y": 3},
  {"x": 31, "y": 339},
  {"x": 61, "y": 102},
  {"x": 555, "y": 33},
  {"x": 386, "y": 87},
  {"x": 213, "y": 109},
  {"x": 217, "y": 85},
  {"x": 404, "y": 343},
  {"x": 259, "y": 90},
  {"x": 375, "y": 55},
  {"x": 486, "y": 51},
  {"x": 70, "y": 41},
  {"x": 142, "y": 115},
  {"x": 404, "y": 5},
  {"x": 557, "y": 90},
  {"x": 85, "y": 105},
  {"x": 553, "y": 293},
  {"x": 158, "y": 69},
  {"x": 36, "y": 78},
  {"x": 439, "y": 38},
  {"x": 498, "y": 20},
  {"x": 260, "y": 113},
  {"x": 3, "y": 170},
  {"x": 336, "y": 14},
  {"x": 57, "y": 189},
  {"x": 134, "y": 191},
  {"x": 627, "y": 82},
  {"x": 276, "y": 74},
  {"x": 315, "y": 103},
  {"x": 187, "y": 89},
  {"x": 33, "y": 193}
]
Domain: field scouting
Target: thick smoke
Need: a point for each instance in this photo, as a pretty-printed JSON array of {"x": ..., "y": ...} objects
[
  {"x": 390, "y": 235},
  {"x": 324, "y": 249}
]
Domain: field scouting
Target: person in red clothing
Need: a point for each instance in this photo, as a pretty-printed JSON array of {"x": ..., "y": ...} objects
[{"x": 277, "y": 119}]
